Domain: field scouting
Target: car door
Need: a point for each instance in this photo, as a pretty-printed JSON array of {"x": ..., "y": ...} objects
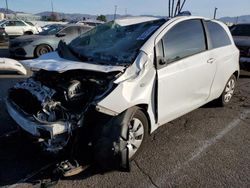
[
  {"x": 185, "y": 70},
  {"x": 21, "y": 27},
  {"x": 10, "y": 28},
  {"x": 224, "y": 53}
]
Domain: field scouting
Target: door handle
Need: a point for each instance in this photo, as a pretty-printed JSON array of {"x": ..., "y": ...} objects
[{"x": 211, "y": 60}]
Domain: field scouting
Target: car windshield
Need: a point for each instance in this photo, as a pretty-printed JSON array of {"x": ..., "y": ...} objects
[
  {"x": 113, "y": 43},
  {"x": 241, "y": 30},
  {"x": 52, "y": 30}
]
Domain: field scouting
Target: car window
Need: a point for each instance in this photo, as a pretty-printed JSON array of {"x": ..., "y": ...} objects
[
  {"x": 241, "y": 30},
  {"x": 82, "y": 30},
  {"x": 10, "y": 23},
  {"x": 19, "y": 23},
  {"x": 72, "y": 30},
  {"x": 114, "y": 43},
  {"x": 218, "y": 35},
  {"x": 184, "y": 39}
]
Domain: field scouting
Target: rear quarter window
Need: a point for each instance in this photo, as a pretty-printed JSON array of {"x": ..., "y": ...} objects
[{"x": 218, "y": 35}]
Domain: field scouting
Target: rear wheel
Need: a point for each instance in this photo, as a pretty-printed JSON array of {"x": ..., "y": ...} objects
[
  {"x": 42, "y": 49},
  {"x": 228, "y": 92}
]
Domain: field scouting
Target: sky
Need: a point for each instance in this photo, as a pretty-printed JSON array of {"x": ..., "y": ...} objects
[{"x": 133, "y": 7}]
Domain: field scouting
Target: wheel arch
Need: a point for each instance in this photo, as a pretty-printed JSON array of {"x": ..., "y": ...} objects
[
  {"x": 236, "y": 74},
  {"x": 29, "y": 32},
  {"x": 144, "y": 108}
]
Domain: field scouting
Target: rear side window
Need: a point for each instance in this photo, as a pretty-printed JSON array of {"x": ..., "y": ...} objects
[
  {"x": 19, "y": 23},
  {"x": 185, "y": 39},
  {"x": 218, "y": 35}
]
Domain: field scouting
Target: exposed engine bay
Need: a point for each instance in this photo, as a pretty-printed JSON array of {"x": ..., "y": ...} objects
[{"x": 57, "y": 102}]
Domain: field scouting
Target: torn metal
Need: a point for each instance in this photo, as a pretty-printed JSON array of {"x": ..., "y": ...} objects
[{"x": 51, "y": 105}]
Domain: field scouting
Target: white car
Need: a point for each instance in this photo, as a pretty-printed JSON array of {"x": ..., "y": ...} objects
[
  {"x": 18, "y": 28},
  {"x": 111, "y": 87}
]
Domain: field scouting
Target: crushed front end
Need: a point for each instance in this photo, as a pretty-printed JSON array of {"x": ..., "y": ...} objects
[{"x": 51, "y": 105}]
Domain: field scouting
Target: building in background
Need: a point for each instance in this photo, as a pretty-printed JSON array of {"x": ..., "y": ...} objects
[{"x": 23, "y": 16}]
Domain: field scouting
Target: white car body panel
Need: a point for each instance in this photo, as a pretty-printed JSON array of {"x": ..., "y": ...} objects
[
  {"x": 134, "y": 20},
  {"x": 184, "y": 85},
  {"x": 52, "y": 62},
  {"x": 7, "y": 64}
]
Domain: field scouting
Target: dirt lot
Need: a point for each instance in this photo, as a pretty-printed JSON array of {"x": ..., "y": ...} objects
[{"x": 209, "y": 147}]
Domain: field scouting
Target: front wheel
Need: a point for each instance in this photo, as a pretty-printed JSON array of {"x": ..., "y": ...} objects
[
  {"x": 121, "y": 139},
  {"x": 137, "y": 133}
]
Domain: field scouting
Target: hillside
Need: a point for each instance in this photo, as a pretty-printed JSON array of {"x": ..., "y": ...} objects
[
  {"x": 240, "y": 19},
  {"x": 79, "y": 16}
]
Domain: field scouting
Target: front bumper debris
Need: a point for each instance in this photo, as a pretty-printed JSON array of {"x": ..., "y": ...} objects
[{"x": 32, "y": 126}]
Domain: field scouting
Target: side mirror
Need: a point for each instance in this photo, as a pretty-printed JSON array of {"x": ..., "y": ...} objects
[{"x": 61, "y": 34}]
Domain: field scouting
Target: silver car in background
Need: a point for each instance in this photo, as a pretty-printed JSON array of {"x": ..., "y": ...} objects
[{"x": 30, "y": 46}]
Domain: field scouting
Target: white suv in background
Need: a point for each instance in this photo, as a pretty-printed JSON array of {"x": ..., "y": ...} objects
[
  {"x": 18, "y": 28},
  {"x": 121, "y": 81}
]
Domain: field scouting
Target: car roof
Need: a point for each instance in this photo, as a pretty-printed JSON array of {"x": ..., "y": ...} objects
[{"x": 134, "y": 20}]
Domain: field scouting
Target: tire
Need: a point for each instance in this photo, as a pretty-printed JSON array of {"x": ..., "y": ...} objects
[
  {"x": 42, "y": 49},
  {"x": 228, "y": 92},
  {"x": 121, "y": 140}
]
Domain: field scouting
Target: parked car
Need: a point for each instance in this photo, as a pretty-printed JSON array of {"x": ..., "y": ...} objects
[
  {"x": 48, "y": 26},
  {"x": 18, "y": 27},
  {"x": 112, "y": 86},
  {"x": 11, "y": 65},
  {"x": 47, "y": 41},
  {"x": 241, "y": 35},
  {"x": 39, "y": 29},
  {"x": 4, "y": 38}
]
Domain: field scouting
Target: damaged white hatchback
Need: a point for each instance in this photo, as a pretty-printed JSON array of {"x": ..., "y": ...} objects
[{"x": 114, "y": 85}]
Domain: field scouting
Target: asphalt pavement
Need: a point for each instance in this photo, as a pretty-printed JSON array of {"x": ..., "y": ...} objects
[{"x": 209, "y": 147}]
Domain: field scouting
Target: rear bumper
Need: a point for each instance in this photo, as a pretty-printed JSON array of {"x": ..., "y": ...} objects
[{"x": 32, "y": 126}]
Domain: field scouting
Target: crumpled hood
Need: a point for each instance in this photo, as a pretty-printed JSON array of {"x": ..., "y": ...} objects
[
  {"x": 242, "y": 41},
  {"x": 53, "y": 62}
]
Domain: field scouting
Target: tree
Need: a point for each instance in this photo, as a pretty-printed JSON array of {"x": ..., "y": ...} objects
[{"x": 101, "y": 18}]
